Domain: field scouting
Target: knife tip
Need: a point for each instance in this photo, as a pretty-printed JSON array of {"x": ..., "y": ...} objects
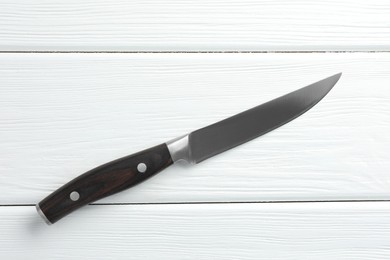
[{"x": 338, "y": 75}]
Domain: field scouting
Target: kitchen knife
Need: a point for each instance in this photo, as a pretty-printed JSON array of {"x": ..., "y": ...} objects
[{"x": 194, "y": 147}]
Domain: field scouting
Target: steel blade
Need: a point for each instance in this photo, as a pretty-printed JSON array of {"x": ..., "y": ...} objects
[{"x": 228, "y": 133}]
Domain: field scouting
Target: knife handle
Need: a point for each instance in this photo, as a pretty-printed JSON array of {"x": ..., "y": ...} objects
[{"x": 103, "y": 181}]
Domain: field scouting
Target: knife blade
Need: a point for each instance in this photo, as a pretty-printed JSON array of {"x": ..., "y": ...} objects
[{"x": 194, "y": 147}]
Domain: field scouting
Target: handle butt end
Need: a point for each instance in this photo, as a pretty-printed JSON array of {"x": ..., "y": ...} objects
[{"x": 40, "y": 212}]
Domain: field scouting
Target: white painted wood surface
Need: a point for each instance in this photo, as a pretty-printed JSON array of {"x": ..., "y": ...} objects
[
  {"x": 63, "y": 113},
  {"x": 109, "y": 105},
  {"x": 194, "y": 25},
  {"x": 358, "y": 231},
  {"x": 221, "y": 231}
]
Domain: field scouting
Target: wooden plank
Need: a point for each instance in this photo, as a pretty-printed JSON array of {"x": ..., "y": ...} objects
[
  {"x": 63, "y": 114},
  {"x": 202, "y": 25},
  {"x": 220, "y": 231}
]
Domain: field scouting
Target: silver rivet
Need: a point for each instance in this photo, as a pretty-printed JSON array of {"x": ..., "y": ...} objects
[
  {"x": 74, "y": 195},
  {"x": 141, "y": 167}
]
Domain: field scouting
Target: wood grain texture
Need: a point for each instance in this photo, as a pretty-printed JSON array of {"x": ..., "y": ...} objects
[
  {"x": 64, "y": 114},
  {"x": 205, "y": 25},
  {"x": 103, "y": 181},
  {"x": 221, "y": 231}
]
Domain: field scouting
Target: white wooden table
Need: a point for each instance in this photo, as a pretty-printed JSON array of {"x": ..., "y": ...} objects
[{"x": 83, "y": 82}]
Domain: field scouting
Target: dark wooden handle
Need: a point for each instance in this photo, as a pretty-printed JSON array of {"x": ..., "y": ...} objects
[{"x": 103, "y": 181}]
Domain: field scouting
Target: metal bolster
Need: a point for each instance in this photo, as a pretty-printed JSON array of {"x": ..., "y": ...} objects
[{"x": 179, "y": 148}]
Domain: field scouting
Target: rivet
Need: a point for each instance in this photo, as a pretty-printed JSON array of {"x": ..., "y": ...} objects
[
  {"x": 74, "y": 195},
  {"x": 141, "y": 167}
]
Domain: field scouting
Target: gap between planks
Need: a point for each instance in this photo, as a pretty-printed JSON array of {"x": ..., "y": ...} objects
[
  {"x": 213, "y": 202},
  {"x": 191, "y": 52}
]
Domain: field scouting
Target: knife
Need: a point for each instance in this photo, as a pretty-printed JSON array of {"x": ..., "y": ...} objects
[{"x": 194, "y": 147}]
